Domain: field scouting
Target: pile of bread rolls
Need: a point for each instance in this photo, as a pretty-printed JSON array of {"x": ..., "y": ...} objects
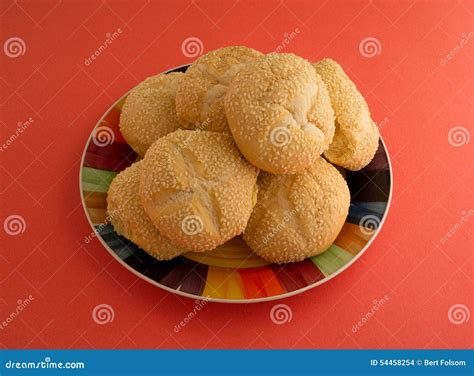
[{"x": 241, "y": 143}]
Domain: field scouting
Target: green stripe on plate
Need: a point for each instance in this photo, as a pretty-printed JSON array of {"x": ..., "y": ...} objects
[
  {"x": 95, "y": 180},
  {"x": 332, "y": 260}
]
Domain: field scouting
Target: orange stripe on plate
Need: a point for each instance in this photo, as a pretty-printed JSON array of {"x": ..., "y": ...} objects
[
  {"x": 351, "y": 238},
  {"x": 97, "y": 216},
  {"x": 97, "y": 200}
]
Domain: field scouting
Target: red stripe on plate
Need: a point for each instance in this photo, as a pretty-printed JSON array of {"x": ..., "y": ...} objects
[
  {"x": 114, "y": 157},
  {"x": 113, "y": 117},
  {"x": 260, "y": 282},
  {"x": 298, "y": 275}
]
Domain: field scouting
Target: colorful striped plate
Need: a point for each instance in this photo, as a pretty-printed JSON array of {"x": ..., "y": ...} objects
[{"x": 230, "y": 273}]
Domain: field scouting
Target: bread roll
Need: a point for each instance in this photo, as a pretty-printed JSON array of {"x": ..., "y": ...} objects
[
  {"x": 200, "y": 97},
  {"x": 357, "y": 136},
  {"x": 149, "y": 112},
  {"x": 298, "y": 216},
  {"x": 130, "y": 220},
  {"x": 197, "y": 188},
  {"x": 279, "y": 113}
]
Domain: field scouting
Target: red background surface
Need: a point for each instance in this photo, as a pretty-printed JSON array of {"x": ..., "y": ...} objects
[{"x": 405, "y": 84}]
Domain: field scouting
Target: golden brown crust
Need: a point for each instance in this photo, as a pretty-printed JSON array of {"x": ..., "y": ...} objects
[
  {"x": 149, "y": 112},
  {"x": 130, "y": 220},
  {"x": 298, "y": 216},
  {"x": 197, "y": 188},
  {"x": 279, "y": 113},
  {"x": 200, "y": 97},
  {"x": 356, "y": 137}
]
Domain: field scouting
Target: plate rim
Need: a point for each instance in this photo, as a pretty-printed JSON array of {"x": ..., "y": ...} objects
[{"x": 223, "y": 300}]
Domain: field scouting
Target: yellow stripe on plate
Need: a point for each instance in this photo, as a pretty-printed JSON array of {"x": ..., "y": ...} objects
[
  {"x": 223, "y": 283},
  {"x": 233, "y": 254}
]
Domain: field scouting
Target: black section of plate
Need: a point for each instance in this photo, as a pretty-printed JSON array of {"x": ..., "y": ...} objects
[{"x": 369, "y": 186}]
